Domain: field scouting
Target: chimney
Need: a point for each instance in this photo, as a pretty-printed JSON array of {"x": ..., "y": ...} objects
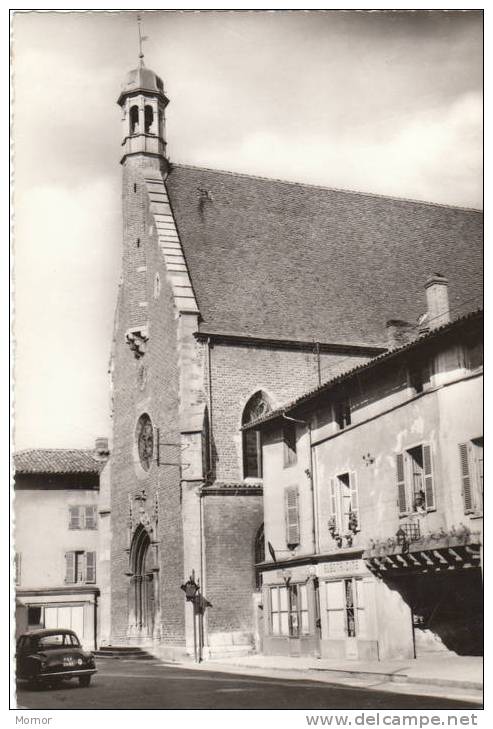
[
  {"x": 101, "y": 449},
  {"x": 437, "y": 301},
  {"x": 399, "y": 333}
]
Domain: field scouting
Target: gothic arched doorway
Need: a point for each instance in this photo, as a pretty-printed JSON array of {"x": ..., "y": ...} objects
[{"x": 142, "y": 599}]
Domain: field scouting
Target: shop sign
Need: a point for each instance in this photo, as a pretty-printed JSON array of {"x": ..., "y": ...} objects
[{"x": 345, "y": 566}]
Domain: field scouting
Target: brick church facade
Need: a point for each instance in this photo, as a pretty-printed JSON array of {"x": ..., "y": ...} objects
[{"x": 237, "y": 295}]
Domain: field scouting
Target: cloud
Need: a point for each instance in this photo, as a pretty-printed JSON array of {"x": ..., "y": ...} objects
[
  {"x": 435, "y": 155},
  {"x": 66, "y": 247}
]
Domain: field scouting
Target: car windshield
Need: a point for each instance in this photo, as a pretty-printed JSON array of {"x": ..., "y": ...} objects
[{"x": 58, "y": 640}]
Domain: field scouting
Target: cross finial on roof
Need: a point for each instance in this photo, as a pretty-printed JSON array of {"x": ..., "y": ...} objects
[{"x": 142, "y": 38}]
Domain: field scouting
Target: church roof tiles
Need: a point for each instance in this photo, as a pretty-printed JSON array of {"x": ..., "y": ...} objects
[{"x": 283, "y": 259}]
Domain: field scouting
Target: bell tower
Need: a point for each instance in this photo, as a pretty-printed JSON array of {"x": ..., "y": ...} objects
[{"x": 143, "y": 103}]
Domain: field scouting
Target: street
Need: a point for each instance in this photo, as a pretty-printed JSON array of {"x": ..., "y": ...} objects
[{"x": 132, "y": 684}]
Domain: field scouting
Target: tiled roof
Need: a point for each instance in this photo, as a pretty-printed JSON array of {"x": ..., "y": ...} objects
[
  {"x": 57, "y": 460},
  {"x": 276, "y": 258},
  {"x": 375, "y": 362}
]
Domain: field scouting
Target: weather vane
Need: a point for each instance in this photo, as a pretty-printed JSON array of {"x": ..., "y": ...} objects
[{"x": 142, "y": 38}]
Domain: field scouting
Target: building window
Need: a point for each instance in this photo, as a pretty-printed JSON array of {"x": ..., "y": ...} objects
[
  {"x": 345, "y": 608},
  {"x": 289, "y": 610},
  {"x": 342, "y": 413},
  {"x": 292, "y": 515},
  {"x": 17, "y": 568},
  {"x": 415, "y": 487},
  {"x": 289, "y": 444},
  {"x": 145, "y": 441},
  {"x": 473, "y": 353},
  {"x": 80, "y": 567},
  {"x": 157, "y": 286},
  {"x": 259, "y": 555},
  {"x": 257, "y": 406},
  {"x": 343, "y": 504},
  {"x": 134, "y": 120},
  {"x": 420, "y": 376},
  {"x": 471, "y": 467},
  {"x": 82, "y": 517}
]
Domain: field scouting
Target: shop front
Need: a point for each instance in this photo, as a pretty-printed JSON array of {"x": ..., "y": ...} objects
[{"x": 323, "y": 609}]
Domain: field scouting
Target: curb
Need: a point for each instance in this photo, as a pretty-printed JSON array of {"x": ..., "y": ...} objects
[{"x": 395, "y": 677}]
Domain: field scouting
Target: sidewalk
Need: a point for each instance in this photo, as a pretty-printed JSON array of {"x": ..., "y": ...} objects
[{"x": 459, "y": 677}]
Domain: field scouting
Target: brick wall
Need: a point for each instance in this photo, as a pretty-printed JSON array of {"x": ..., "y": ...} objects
[
  {"x": 156, "y": 394},
  {"x": 172, "y": 392},
  {"x": 230, "y": 526},
  {"x": 238, "y": 371}
]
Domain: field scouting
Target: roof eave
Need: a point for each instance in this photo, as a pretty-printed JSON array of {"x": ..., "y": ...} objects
[{"x": 376, "y": 362}]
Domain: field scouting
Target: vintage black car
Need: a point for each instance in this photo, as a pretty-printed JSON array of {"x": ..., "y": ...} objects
[{"x": 51, "y": 656}]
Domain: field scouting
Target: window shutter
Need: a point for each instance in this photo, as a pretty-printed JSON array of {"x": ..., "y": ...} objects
[
  {"x": 466, "y": 478},
  {"x": 74, "y": 517},
  {"x": 333, "y": 501},
  {"x": 428, "y": 474},
  {"x": 90, "y": 567},
  {"x": 401, "y": 484},
  {"x": 70, "y": 567},
  {"x": 90, "y": 521},
  {"x": 354, "y": 496},
  {"x": 292, "y": 516}
]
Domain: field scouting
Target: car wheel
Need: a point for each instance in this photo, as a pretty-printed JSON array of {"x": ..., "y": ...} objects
[{"x": 84, "y": 680}]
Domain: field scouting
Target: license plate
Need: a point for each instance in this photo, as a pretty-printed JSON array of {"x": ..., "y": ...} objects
[{"x": 68, "y": 661}]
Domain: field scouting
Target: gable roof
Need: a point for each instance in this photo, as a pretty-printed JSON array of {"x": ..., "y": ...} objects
[
  {"x": 57, "y": 460},
  {"x": 277, "y": 258},
  {"x": 463, "y": 322}
]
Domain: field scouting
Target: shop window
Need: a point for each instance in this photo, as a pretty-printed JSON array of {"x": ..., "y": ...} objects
[
  {"x": 346, "y": 617},
  {"x": 292, "y": 515},
  {"x": 343, "y": 504},
  {"x": 134, "y": 120},
  {"x": 415, "y": 483},
  {"x": 257, "y": 406},
  {"x": 80, "y": 567},
  {"x": 342, "y": 413},
  {"x": 82, "y": 517},
  {"x": 34, "y": 616},
  {"x": 289, "y": 444},
  {"x": 289, "y": 610},
  {"x": 471, "y": 468}
]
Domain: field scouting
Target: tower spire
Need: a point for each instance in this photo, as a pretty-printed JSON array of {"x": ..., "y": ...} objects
[{"x": 142, "y": 38}]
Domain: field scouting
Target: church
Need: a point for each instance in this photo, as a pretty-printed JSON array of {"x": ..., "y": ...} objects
[{"x": 238, "y": 294}]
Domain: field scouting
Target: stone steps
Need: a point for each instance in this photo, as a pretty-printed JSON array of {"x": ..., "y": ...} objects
[{"x": 128, "y": 652}]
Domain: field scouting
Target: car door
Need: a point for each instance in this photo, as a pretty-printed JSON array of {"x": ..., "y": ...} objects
[{"x": 21, "y": 655}]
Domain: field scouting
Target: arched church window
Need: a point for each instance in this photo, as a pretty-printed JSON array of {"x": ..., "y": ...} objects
[
  {"x": 148, "y": 118},
  {"x": 259, "y": 555},
  {"x": 145, "y": 441},
  {"x": 134, "y": 120},
  {"x": 257, "y": 406}
]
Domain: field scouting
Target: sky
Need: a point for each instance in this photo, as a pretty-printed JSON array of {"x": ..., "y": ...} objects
[{"x": 382, "y": 102}]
